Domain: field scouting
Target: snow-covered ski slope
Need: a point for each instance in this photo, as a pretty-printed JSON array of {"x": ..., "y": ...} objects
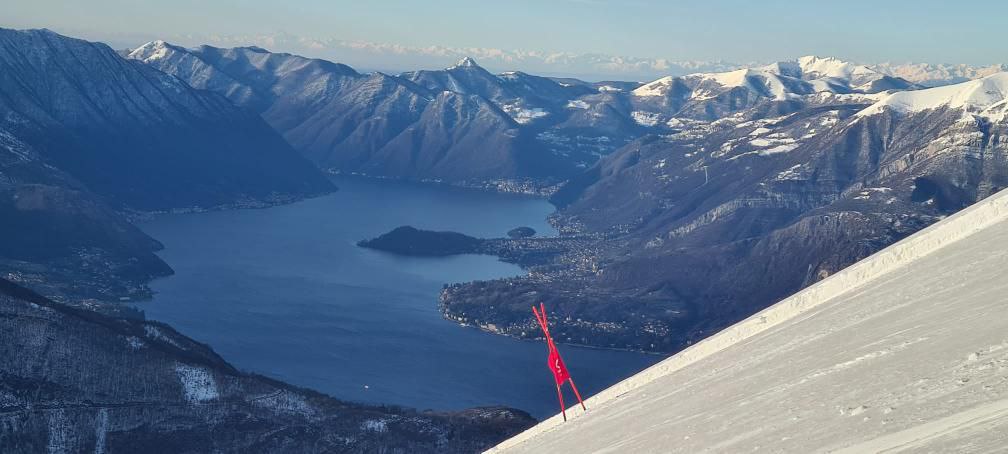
[{"x": 906, "y": 350}]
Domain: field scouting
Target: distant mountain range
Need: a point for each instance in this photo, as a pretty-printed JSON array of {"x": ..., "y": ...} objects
[
  {"x": 465, "y": 125},
  {"x": 684, "y": 233},
  {"x": 933, "y": 75},
  {"x": 460, "y": 125},
  {"x": 395, "y": 57}
]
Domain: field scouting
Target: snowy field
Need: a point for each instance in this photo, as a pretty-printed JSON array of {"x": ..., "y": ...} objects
[{"x": 906, "y": 351}]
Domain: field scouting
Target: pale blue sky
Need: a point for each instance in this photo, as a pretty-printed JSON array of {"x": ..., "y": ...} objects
[{"x": 732, "y": 30}]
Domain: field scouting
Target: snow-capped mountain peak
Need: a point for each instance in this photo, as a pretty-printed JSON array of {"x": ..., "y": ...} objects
[
  {"x": 985, "y": 96},
  {"x": 466, "y": 62},
  {"x": 766, "y": 82},
  {"x": 152, "y": 51},
  {"x": 815, "y": 67},
  {"x": 654, "y": 88},
  {"x": 785, "y": 68},
  {"x": 785, "y": 80}
]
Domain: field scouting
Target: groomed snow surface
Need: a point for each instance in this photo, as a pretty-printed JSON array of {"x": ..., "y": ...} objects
[{"x": 905, "y": 351}]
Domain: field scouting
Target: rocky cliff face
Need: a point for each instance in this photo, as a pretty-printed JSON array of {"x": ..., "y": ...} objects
[{"x": 76, "y": 381}]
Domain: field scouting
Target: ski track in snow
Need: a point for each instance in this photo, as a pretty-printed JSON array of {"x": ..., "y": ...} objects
[{"x": 905, "y": 350}]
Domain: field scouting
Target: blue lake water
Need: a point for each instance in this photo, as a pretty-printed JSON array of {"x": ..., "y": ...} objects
[{"x": 285, "y": 292}]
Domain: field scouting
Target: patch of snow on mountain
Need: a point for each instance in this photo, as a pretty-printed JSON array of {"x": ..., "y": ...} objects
[
  {"x": 680, "y": 123},
  {"x": 772, "y": 140},
  {"x": 997, "y": 112},
  {"x": 790, "y": 174},
  {"x": 819, "y": 67},
  {"x": 154, "y": 332},
  {"x": 523, "y": 115},
  {"x": 608, "y": 88},
  {"x": 645, "y": 118},
  {"x": 866, "y": 193},
  {"x": 134, "y": 343},
  {"x": 375, "y": 425},
  {"x": 577, "y": 104},
  {"x": 778, "y": 149},
  {"x": 198, "y": 384}
]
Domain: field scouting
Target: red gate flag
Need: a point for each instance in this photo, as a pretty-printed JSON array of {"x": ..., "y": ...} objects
[
  {"x": 556, "y": 365},
  {"x": 555, "y": 362}
]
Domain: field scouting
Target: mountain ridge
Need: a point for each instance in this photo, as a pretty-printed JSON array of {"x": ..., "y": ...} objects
[
  {"x": 66, "y": 94},
  {"x": 589, "y": 66},
  {"x": 682, "y": 234},
  {"x": 563, "y": 124},
  {"x": 87, "y": 136},
  {"x": 351, "y": 122}
]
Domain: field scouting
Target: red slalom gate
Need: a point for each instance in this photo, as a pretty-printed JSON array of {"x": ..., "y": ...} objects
[{"x": 555, "y": 362}]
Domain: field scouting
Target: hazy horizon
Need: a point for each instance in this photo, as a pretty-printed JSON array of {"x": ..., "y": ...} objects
[{"x": 590, "y": 39}]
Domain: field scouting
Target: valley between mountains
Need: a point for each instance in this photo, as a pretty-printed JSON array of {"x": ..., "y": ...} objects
[{"x": 684, "y": 204}]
